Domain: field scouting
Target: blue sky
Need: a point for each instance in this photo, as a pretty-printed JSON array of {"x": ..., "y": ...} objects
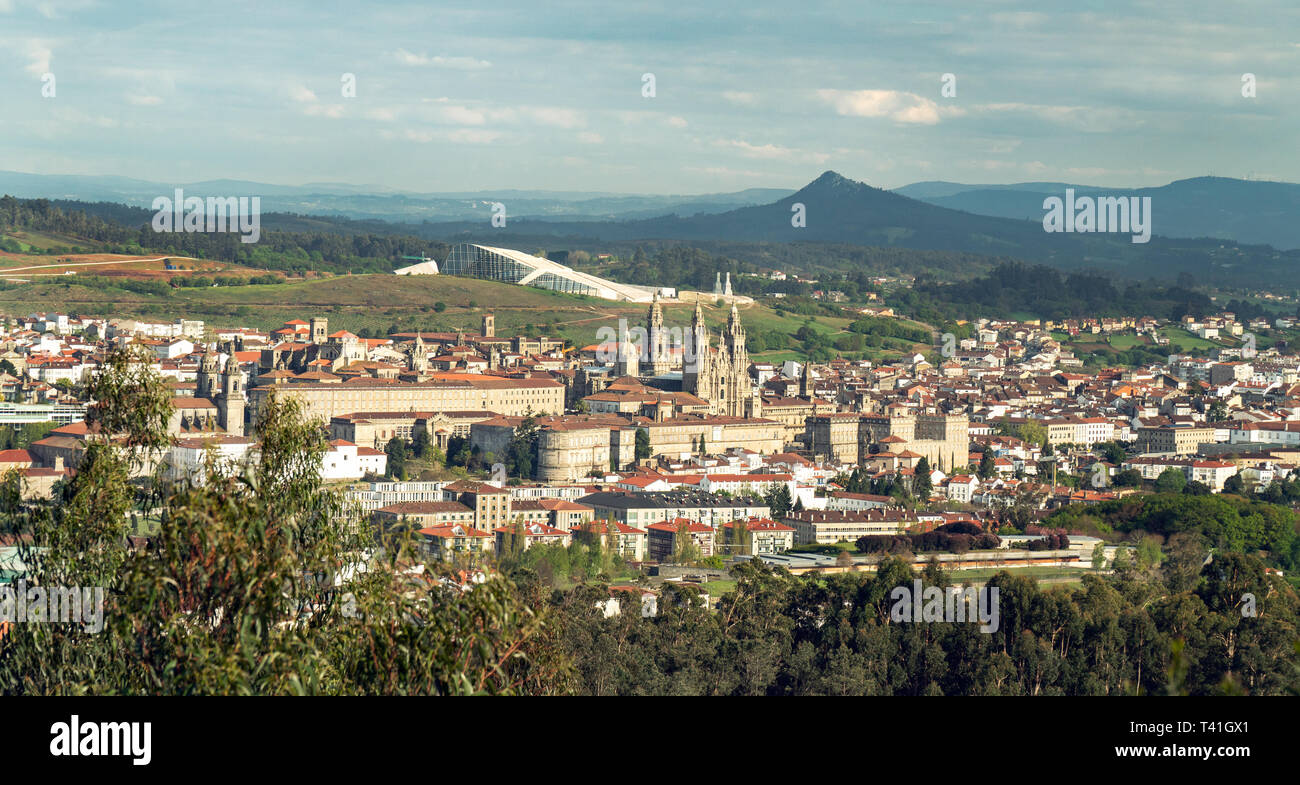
[{"x": 500, "y": 94}]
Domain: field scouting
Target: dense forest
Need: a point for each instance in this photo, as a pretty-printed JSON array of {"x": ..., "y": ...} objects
[{"x": 1015, "y": 287}]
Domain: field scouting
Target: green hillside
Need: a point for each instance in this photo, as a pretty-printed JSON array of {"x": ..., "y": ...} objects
[{"x": 378, "y": 304}]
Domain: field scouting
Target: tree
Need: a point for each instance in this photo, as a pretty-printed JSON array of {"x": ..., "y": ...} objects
[
  {"x": 420, "y": 442},
  {"x": 642, "y": 444},
  {"x": 1112, "y": 452},
  {"x": 1033, "y": 432},
  {"x": 778, "y": 500},
  {"x": 1171, "y": 480},
  {"x": 521, "y": 454},
  {"x": 1129, "y": 478},
  {"x": 1235, "y": 484},
  {"x": 921, "y": 484},
  {"x": 685, "y": 549},
  {"x": 740, "y": 537},
  {"x": 249, "y": 584},
  {"x": 1148, "y": 553},
  {"x": 397, "y": 455},
  {"x": 1099, "y": 556},
  {"x": 986, "y": 467}
]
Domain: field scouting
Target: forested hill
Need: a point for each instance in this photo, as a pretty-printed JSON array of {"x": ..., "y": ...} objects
[{"x": 288, "y": 242}]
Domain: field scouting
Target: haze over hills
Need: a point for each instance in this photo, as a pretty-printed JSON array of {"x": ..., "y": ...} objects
[
  {"x": 842, "y": 211},
  {"x": 1244, "y": 211},
  {"x": 840, "y": 214},
  {"x": 379, "y": 202}
]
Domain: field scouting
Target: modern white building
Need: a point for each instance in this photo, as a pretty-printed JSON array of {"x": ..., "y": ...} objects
[{"x": 509, "y": 266}]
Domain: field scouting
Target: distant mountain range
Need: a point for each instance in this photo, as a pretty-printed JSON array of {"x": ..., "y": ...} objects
[
  {"x": 378, "y": 202},
  {"x": 947, "y": 217},
  {"x": 1253, "y": 212}
]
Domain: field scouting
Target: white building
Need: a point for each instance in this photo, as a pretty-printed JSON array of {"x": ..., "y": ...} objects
[
  {"x": 347, "y": 461},
  {"x": 189, "y": 458}
]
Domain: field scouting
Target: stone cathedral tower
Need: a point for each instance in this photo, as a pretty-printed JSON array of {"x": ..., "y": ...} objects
[
  {"x": 231, "y": 404},
  {"x": 721, "y": 377},
  {"x": 658, "y": 357}
]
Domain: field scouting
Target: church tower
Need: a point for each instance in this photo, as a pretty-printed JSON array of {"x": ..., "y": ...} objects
[
  {"x": 319, "y": 330},
  {"x": 626, "y": 365},
  {"x": 696, "y": 360},
  {"x": 206, "y": 385},
  {"x": 230, "y": 406},
  {"x": 657, "y": 361},
  {"x": 419, "y": 355}
]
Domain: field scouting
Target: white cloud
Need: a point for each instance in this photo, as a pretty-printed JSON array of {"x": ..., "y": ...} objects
[
  {"x": 587, "y": 137},
  {"x": 555, "y": 117},
  {"x": 1019, "y": 19},
  {"x": 462, "y": 115},
  {"x": 894, "y": 105},
  {"x": 726, "y": 172},
  {"x": 333, "y": 111},
  {"x": 473, "y": 136},
  {"x": 677, "y": 122},
  {"x": 312, "y": 107},
  {"x": 739, "y": 97},
  {"x": 143, "y": 100},
  {"x": 40, "y": 56},
  {"x": 772, "y": 152},
  {"x": 1083, "y": 118},
  {"x": 457, "y": 63}
]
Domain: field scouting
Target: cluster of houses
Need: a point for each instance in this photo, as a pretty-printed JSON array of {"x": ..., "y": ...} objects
[{"x": 642, "y": 448}]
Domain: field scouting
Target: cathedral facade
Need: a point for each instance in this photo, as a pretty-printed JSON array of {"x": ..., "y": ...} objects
[{"x": 720, "y": 376}]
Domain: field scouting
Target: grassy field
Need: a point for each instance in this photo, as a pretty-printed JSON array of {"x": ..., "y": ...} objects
[
  {"x": 1180, "y": 337},
  {"x": 718, "y": 588},
  {"x": 378, "y": 303},
  {"x": 41, "y": 241},
  {"x": 1126, "y": 341}
]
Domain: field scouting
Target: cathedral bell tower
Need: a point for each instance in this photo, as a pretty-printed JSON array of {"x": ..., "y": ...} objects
[{"x": 231, "y": 404}]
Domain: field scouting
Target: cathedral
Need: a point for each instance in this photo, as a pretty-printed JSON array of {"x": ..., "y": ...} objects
[{"x": 720, "y": 377}]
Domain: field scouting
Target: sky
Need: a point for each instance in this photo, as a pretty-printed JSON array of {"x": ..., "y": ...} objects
[{"x": 495, "y": 94}]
